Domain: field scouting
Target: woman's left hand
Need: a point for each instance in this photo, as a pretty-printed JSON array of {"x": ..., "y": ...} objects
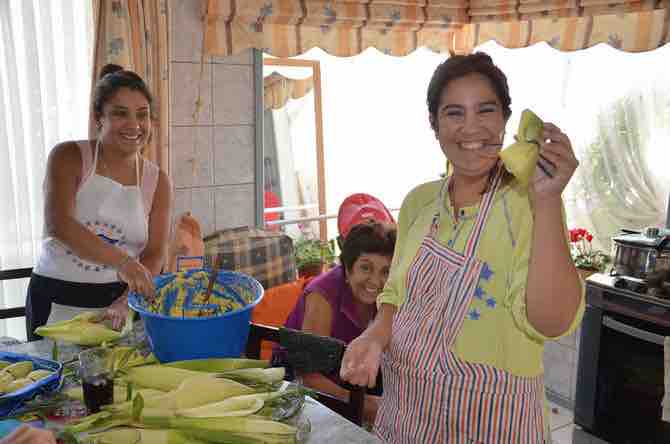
[
  {"x": 29, "y": 435},
  {"x": 557, "y": 158},
  {"x": 117, "y": 312}
]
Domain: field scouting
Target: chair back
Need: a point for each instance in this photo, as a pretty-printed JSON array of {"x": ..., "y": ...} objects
[
  {"x": 5, "y": 275},
  {"x": 352, "y": 409}
]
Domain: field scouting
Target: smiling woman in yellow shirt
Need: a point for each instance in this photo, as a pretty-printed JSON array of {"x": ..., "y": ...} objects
[{"x": 481, "y": 277}]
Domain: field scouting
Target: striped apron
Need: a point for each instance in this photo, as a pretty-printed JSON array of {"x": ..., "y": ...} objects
[{"x": 432, "y": 396}]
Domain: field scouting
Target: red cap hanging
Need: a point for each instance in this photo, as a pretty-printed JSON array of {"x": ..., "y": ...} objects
[{"x": 359, "y": 208}]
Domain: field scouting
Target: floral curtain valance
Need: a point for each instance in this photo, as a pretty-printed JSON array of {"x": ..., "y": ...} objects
[
  {"x": 134, "y": 34},
  {"x": 287, "y": 28},
  {"x": 277, "y": 90}
]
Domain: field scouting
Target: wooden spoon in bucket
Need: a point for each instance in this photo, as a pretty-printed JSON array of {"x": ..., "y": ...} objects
[{"x": 212, "y": 278}]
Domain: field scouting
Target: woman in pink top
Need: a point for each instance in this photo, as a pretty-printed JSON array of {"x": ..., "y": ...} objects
[
  {"x": 341, "y": 302},
  {"x": 107, "y": 212}
]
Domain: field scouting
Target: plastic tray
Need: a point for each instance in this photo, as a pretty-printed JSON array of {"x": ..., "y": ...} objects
[{"x": 12, "y": 402}]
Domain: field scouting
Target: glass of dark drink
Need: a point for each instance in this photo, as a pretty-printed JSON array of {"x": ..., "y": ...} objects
[{"x": 97, "y": 379}]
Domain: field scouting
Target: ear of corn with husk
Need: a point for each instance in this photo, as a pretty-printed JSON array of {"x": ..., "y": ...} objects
[
  {"x": 81, "y": 330},
  {"x": 198, "y": 408},
  {"x": 159, "y": 377},
  {"x": 521, "y": 157},
  {"x": 219, "y": 364},
  {"x": 18, "y": 375},
  {"x": 192, "y": 392},
  {"x": 256, "y": 375}
]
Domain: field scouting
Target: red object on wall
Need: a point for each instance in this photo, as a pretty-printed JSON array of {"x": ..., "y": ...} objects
[{"x": 271, "y": 200}]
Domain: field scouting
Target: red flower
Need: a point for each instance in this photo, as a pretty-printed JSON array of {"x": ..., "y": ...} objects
[
  {"x": 589, "y": 237},
  {"x": 573, "y": 236}
]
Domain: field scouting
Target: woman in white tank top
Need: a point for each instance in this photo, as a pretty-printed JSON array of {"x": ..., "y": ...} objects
[{"x": 107, "y": 212}]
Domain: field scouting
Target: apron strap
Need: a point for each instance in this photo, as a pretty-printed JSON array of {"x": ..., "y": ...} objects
[
  {"x": 484, "y": 211},
  {"x": 434, "y": 226}
]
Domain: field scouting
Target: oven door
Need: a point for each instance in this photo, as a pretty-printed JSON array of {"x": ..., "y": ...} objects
[{"x": 630, "y": 381}]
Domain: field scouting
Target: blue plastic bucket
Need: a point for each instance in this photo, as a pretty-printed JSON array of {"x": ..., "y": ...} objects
[{"x": 219, "y": 336}]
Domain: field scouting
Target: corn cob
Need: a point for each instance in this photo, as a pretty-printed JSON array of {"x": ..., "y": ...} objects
[
  {"x": 5, "y": 379},
  {"x": 19, "y": 369},
  {"x": 18, "y": 384},
  {"x": 79, "y": 330},
  {"x": 36, "y": 375},
  {"x": 219, "y": 364}
]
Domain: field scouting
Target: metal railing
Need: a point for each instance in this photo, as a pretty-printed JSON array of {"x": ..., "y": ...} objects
[{"x": 310, "y": 219}]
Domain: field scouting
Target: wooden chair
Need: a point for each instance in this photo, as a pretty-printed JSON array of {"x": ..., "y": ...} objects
[
  {"x": 352, "y": 410},
  {"x": 5, "y": 275}
]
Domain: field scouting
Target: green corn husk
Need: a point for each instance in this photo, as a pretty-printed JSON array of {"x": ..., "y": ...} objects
[
  {"x": 127, "y": 435},
  {"x": 192, "y": 392},
  {"x": 157, "y": 418},
  {"x": 158, "y": 376},
  {"x": 214, "y": 365},
  {"x": 122, "y": 406},
  {"x": 80, "y": 330},
  {"x": 240, "y": 438},
  {"x": 256, "y": 375},
  {"x": 122, "y": 358},
  {"x": 521, "y": 157},
  {"x": 236, "y": 406},
  {"x": 102, "y": 420}
]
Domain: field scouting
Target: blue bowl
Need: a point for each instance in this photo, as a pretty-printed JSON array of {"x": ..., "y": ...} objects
[
  {"x": 12, "y": 403},
  {"x": 220, "y": 336}
]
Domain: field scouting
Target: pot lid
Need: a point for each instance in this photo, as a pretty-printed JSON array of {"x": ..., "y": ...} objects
[{"x": 657, "y": 238}]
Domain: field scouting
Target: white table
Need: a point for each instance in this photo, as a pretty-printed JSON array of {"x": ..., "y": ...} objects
[{"x": 326, "y": 425}]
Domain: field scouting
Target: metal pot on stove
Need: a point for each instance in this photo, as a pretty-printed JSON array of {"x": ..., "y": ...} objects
[{"x": 643, "y": 255}]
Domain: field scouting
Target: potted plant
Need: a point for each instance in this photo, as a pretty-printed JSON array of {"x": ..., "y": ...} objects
[
  {"x": 312, "y": 255},
  {"x": 588, "y": 260}
]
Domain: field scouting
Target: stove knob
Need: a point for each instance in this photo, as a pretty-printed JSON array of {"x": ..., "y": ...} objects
[{"x": 652, "y": 232}]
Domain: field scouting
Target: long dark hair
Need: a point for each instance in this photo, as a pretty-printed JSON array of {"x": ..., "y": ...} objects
[{"x": 112, "y": 78}]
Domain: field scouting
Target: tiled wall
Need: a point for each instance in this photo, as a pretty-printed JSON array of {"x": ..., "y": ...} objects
[
  {"x": 212, "y": 161},
  {"x": 560, "y": 369}
]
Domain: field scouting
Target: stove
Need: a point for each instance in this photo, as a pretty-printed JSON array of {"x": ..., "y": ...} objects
[
  {"x": 621, "y": 361},
  {"x": 655, "y": 293}
]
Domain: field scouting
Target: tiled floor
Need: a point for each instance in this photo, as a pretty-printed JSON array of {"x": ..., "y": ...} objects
[{"x": 561, "y": 424}]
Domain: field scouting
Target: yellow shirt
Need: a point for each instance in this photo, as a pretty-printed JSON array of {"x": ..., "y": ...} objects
[{"x": 496, "y": 330}]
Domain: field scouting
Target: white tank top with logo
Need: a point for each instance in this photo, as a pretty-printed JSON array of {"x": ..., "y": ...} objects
[{"x": 117, "y": 214}]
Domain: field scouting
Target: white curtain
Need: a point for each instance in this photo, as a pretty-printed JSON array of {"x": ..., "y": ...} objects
[
  {"x": 45, "y": 77},
  {"x": 295, "y": 137},
  {"x": 615, "y": 106},
  {"x": 377, "y": 138}
]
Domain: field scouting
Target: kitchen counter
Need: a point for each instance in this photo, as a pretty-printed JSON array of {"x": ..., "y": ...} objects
[{"x": 326, "y": 425}]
